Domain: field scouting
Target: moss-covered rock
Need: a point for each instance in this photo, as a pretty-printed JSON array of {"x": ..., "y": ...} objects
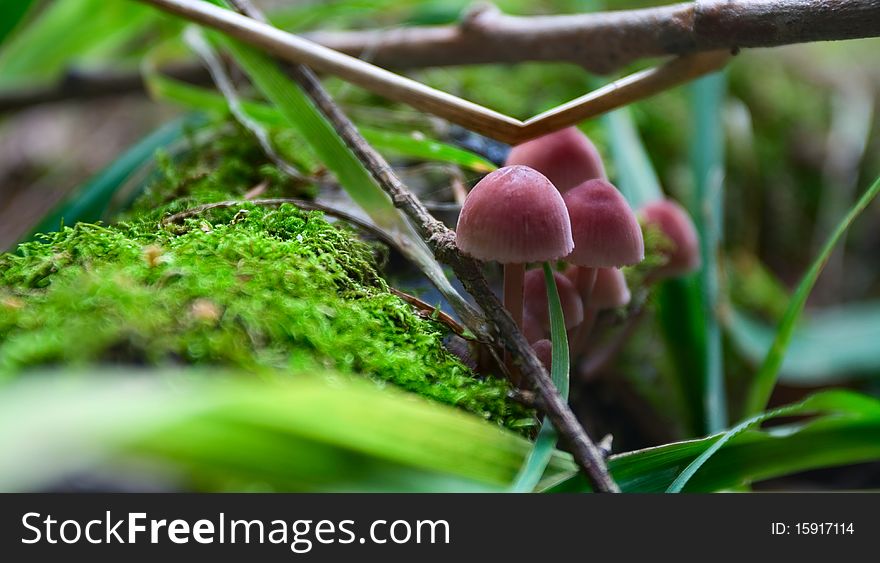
[{"x": 253, "y": 288}]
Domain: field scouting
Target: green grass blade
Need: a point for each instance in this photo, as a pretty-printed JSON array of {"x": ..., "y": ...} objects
[
  {"x": 695, "y": 465},
  {"x": 541, "y": 454},
  {"x": 635, "y": 175},
  {"x": 766, "y": 377},
  {"x": 707, "y": 211},
  {"x": 426, "y": 149},
  {"x": 90, "y": 202},
  {"x": 71, "y": 31},
  {"x": 315, "y": 432},
  {"x": 11, "y": 15},
  {"x": 390, "y": 142}
]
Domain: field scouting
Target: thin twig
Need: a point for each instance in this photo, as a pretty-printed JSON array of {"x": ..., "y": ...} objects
[
  {"x": 431, "y": 312},
  {"x": 442, "y": 241},
  {"x": 197, "y": 42}
]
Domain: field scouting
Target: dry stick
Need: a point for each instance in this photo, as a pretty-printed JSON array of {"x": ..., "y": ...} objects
[
  {"x": 442, "y": 241},
  {"x": 603, "y": 42},
  {"x": 431, "y": 312},
  {"x": 393, "y": 86}
]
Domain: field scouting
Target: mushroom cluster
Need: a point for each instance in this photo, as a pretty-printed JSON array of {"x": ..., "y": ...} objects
[{"x": 552, "y": 201}]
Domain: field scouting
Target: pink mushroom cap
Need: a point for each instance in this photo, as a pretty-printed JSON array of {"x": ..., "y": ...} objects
[
  {"x": 535, "y": 292},
  {"x": 676, "y": 225},
  {"x": 567, "y": 157},
  {"x": 605, "y": 230},
  {"x": 513, "y": 216}
]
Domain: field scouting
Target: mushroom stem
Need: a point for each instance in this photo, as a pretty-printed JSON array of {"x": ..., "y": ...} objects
[
  {"x": 514, "y": 277},
  {"x": 582, "y": 332},
  {"x": 586, "y": 279}
]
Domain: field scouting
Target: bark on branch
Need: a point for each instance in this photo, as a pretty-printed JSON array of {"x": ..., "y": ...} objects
[{"x": 605, "y": 41}]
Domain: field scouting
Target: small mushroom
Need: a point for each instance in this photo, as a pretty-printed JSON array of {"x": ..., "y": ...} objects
[
  {"x": 567, "y": 157},
  {"x": 606, "y": 234},
  {"x": 532, "y": 328},
  {"x": 544, "y": 351},
  {"x": 514, "y": 216},
  {"x": 536, "y": 303},
  {"x": 674, "y": 222},
  {"x": 610, "y": 290}
]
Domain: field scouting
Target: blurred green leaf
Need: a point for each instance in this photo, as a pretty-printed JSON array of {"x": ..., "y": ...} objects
[
  {"x": 833, "y": 345},
  {"x": 11, "y": 14},
  {"x": 330, "y": 432},
  {"x": 766, "y": 377},
  {"x": 300, "y": 433},
  {"x": 71, "y": 31},
  {"x": 542, "y": 452},
  {"x": 707, "y": 210},
  {"x": 391, "y": 142},
  {"x": 636, "y": 177}
]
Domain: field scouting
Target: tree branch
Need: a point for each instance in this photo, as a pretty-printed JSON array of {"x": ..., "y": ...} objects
[{"x": 605, "y": 41}]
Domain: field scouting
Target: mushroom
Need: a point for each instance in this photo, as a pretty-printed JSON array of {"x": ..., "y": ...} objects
[
  {"x": 675, "y": 224},
  {"x": 532, "y": 328},
  {"x": 544, "y": 351},
  {"x": 567, "y": 157},
  {"x": 606, "y": 234},
  {"x": 610, "y": 291},
  {"x": 536, "y": 304},
  {"x": 514, "y": 216}
]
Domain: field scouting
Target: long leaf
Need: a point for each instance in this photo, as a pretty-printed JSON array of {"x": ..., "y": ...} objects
[
  {"x": 71, "y": 32},
  {"x": 11, "y": 15},
  {"x": 635, "y": 175},
  {"x": 331, "y": 432},
  {"x": 707, "y": 209},
  {"x": 392, "y": 142},
  {"x": 301, "y": 433},
  {"x": 766, "y": 377},
  {"x": 541, "y": 454}
]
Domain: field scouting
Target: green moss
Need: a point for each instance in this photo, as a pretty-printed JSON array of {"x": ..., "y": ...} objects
[{"x": 249, "y": 287}]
